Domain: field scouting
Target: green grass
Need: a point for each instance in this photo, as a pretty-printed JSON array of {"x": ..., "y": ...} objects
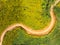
[{"x": 33, "y": 13}]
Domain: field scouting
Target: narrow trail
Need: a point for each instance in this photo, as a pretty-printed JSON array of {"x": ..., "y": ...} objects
[{"x": 44, "y": 31}]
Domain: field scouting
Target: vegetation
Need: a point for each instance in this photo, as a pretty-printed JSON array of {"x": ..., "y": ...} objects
[{"x": 33, "y": 13}]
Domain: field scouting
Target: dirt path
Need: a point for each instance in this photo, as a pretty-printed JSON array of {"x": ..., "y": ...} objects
[{"x": 44, "y": 31}]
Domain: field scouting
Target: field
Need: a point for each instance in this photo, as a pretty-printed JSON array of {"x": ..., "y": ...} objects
[{"x": 33, "y": 13}]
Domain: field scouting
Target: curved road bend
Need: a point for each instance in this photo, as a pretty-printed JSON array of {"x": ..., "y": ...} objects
[{"x": 29, "y": 30}]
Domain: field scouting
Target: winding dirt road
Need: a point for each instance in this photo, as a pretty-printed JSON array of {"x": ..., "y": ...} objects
[{"x": 44, "y": 31}]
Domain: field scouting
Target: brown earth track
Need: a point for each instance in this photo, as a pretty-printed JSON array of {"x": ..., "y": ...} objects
[{"x": 44, "y": 31}]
